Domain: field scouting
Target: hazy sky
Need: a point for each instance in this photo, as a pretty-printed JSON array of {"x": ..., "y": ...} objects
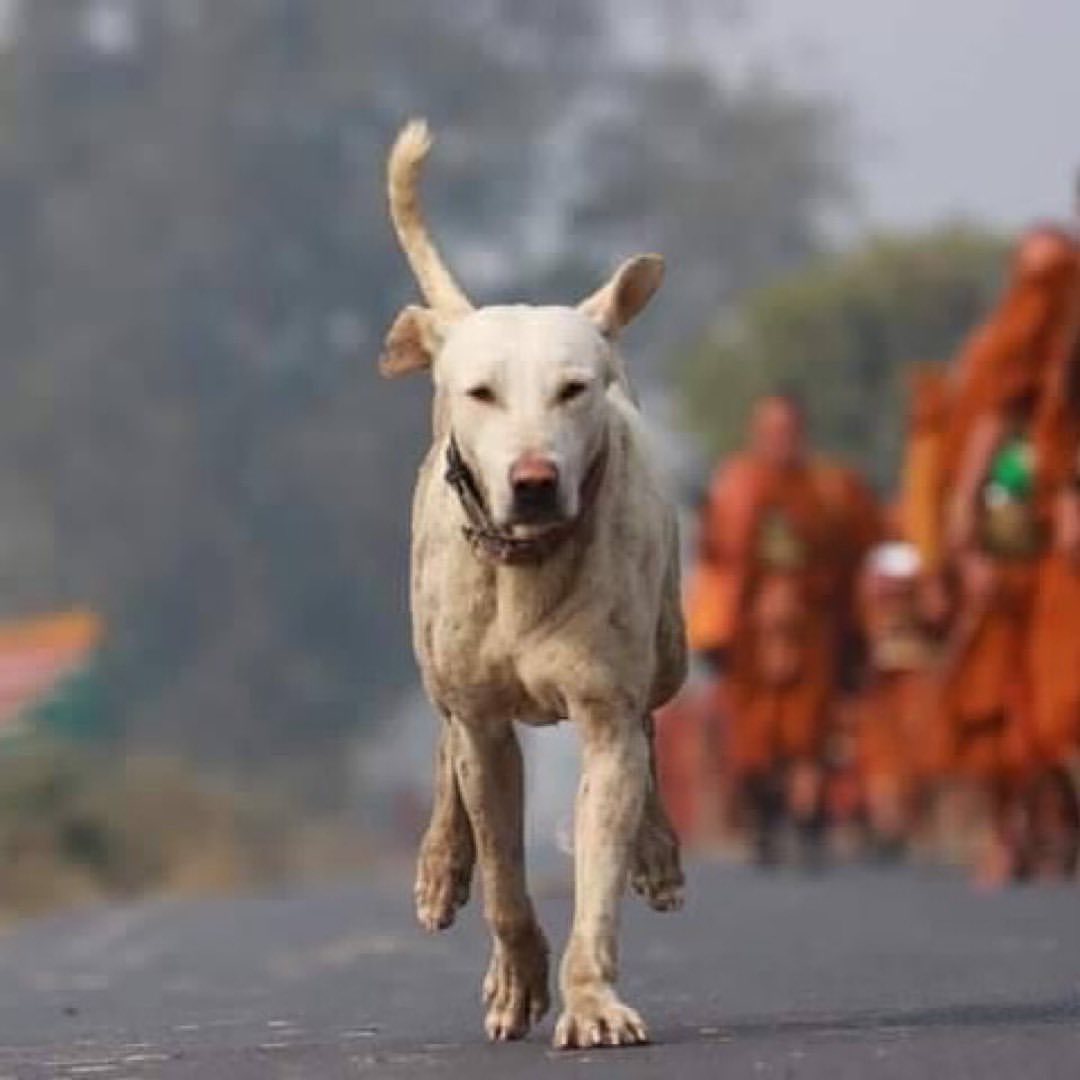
[{"x": 965, "y": 106}]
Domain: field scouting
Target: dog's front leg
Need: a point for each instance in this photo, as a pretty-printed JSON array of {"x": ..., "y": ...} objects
[
  {"x": 447, "y": 853},
  {"x": 614, "y": 780},
  {"x": 487, "y": 760}
]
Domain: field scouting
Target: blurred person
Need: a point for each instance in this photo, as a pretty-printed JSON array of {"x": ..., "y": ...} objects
[
  {"x": 770, "y": 609},
  {"x": 922, "y": 484},
  {"x": 682, "y": 731},
  {"x": 895, "y": 713},
  {"x": 1012, "y": 529},
  {"x": 905, "y": 683}
]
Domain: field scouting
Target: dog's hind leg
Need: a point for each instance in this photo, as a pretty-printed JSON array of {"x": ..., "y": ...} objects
[
  {"x": 448, "y": 852},
  {"x": 489, "y": 772},
  {"x": 655, "y": 868}
]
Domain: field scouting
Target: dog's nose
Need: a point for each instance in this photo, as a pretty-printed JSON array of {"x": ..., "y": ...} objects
[
  {"x": 534, "y": 480},
  {"x": 533, "y": 471}
]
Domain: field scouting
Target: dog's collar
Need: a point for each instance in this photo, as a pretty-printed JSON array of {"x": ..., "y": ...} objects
[{"x": 498, "y": 544}]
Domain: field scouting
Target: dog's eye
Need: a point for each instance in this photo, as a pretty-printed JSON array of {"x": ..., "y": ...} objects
[
  {"x": 484, "y": 394},
  {"x": 569, "y": 391}
]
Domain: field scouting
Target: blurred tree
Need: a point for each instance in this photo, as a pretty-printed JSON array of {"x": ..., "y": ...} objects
[
  {"x": 197, "y": 269},
  {"x": 842, "y": 333},
  {"x": 729, "y": 176}
]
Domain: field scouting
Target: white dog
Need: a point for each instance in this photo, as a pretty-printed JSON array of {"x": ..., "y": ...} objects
[{"x": 545, "y": 586}]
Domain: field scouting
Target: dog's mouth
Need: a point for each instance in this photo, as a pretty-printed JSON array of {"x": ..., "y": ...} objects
[
  {"x": 536, "y": 506},
  {"x": 535, "y": 511},
  {"x": 529, "y": 528}
]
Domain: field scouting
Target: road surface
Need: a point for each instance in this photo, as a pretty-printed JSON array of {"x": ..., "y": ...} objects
[{"x": 860, "y": 974}]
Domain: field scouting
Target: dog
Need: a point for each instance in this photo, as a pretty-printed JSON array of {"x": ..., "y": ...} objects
[{"x": 544, "y": 587}]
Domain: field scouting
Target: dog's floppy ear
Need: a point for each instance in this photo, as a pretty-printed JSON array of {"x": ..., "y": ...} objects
[
  {"x": 411, "y": 342},
  {"x": 623, "y": 298}
]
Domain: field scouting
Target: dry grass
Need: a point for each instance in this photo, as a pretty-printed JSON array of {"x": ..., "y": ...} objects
[{"x": 78, "y": 827}]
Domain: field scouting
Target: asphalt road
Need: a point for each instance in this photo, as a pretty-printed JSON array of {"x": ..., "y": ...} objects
[{"x": 858, "y": 974}]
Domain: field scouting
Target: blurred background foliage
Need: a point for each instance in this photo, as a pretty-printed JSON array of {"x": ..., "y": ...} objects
[
  {"x": 197, "y": 269},
  {"x": 77, "y": 826},
  {"x": 842, "y": 333}
]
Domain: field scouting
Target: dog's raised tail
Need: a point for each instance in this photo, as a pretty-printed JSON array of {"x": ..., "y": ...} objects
[{"x": 406, "y": 163}]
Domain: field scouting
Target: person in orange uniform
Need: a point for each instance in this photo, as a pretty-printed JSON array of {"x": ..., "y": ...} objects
[
  {"x": 924, "y": 470},
  {"x": 895, "y": 708},
  {"x": 682, "y": 731},
  {"x": 1012, "y": 688},
  {"x": 901, "y": 744},
  {"x": 781, "y": 534}
]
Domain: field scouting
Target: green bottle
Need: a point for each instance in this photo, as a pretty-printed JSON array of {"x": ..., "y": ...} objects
[
  {"x": 1012, "y": 470},
  {"x": 1009, "y": 527}
]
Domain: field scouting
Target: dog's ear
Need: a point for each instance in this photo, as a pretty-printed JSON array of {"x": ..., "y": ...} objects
[
  {"x": 624, "y": 297},
  {"x": 411, "y": 342}
]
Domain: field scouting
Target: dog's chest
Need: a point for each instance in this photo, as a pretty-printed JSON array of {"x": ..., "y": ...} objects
[{"x": 482, "y": 650}]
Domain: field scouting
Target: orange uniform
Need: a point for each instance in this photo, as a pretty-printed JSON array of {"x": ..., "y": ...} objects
[
  {"x": 682, "y": 732},
  {"x": 898, "y": 733},
  {"x": 1053, "y": 652},
  {"x": 896, "y": 714},
  {"x": 1023, "y": 354},
  {"x": 772, "y": 592},
  {"x": 1013, "y": 687},
  {"x": 924, "y": 466}
]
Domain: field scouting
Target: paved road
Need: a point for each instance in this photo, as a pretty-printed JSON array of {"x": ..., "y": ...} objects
[{"x": 861, "y": 974}]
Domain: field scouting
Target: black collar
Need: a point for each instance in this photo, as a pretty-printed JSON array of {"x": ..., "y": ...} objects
[{"x": 499, "y": 544}]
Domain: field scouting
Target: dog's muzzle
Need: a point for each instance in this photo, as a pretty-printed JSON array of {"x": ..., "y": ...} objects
[{"x": 535, "y": 501}]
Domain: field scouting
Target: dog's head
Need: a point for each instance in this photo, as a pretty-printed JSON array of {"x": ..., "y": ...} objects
[{"x": 523, "y": 389}]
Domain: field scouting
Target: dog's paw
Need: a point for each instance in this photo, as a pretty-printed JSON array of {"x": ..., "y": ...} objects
[
  {"x": 442, "y": 886},
  {"x": 598, "y": 1018},
  {"x": 516, "y": 987},
  {"x": 655, "y": 869},
  {"x": 516, "y": 990}
]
